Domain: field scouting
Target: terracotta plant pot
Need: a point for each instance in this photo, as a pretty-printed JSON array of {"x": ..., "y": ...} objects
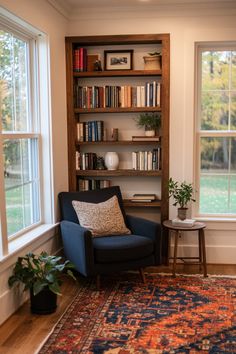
[
  {"x": 150, "y": 133},
  {"x": 182, "y": 213},
  {"x": 152, "y": 62}
]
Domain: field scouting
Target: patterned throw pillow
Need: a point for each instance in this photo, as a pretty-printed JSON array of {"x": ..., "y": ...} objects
[{"x": 101, "y": 219}]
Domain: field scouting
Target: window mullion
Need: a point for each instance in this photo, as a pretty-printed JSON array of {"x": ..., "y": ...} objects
[{"x": 3, "y": 220}]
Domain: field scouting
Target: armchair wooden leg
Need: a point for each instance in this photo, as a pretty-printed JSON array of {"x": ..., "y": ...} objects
[
  {"x": 98, "y": 281},
  {"x": 142, "y": 275}
]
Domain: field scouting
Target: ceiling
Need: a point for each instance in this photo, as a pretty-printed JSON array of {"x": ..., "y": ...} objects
[
  {"x": 71, "y": 7},
  {"x": 132, "y": 3}
]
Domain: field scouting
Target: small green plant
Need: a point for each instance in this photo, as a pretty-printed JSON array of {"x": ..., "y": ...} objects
[
  {"x": 38, "y": 272},
  {"x": 154, "y": 54},
  {"x": 149, "y": 121},
  {"x": 182, "y": 193}
]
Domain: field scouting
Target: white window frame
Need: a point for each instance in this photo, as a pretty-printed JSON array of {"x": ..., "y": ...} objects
[
  {"x": 200, "y": 47},
  {"x": 40, "y": 102}
]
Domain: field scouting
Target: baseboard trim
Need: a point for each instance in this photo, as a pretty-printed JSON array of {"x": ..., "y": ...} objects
[{"x": 214, "y": 254}]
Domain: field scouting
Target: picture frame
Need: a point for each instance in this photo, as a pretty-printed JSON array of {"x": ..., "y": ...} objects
[{"x": 118, "y": 59}]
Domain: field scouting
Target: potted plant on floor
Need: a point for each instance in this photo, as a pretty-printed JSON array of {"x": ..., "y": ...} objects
[
  {"x": 182, "y": 193},
  {"x": 41, "y": 274},
  {"x": 151, "y": 122}
]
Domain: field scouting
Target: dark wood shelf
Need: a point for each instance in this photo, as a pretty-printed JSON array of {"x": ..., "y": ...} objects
[
  {"x": 117, "y": 110},
  {"x": 153, "y": 204},
  {"x": 119, "y": 142},
  {"x": 130, "y": 77},
  {"x": 117, "y": 173},
  {"x": 115, "y": 73}
]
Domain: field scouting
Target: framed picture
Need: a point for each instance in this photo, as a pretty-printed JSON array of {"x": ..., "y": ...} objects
[{"x": 118, "y": 60}]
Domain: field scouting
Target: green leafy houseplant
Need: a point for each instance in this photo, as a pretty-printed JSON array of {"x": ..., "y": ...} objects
[
  {"x": 182, "y": 193},
  {"x": 149, "y": 121},
  {"x": 152, "y": 54},
  {"x": 40, "y": 272}
]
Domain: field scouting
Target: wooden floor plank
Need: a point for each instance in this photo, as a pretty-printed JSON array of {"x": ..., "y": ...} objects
[{"x": 24, "y": 332}]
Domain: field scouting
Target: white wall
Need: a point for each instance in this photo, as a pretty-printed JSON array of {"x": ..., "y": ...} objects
[
  {"x": 43, "y": 16},
  {"x": 195, "y": 25},
  {"x": 186, "y": 26}
]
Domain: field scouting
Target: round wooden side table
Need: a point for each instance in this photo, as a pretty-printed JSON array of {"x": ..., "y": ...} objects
[{"x": 177, "y": 230}]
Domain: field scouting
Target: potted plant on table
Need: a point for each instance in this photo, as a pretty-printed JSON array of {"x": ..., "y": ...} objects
[
  {"x": 182, "y": 193},
  {"x": 41, "y": 274},
  {"x": 150, "y": 121}
]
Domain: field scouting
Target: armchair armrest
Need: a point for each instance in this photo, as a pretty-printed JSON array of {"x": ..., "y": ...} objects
[
  {"x": 78, "y": 248},
  {"x": 147, "y": 228}
]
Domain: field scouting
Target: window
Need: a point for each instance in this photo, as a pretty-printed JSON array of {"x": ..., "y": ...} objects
[
  {"x": 26, "y": 197},
  {"x": 19, "y": 134},
  {"x": 216, "y": 131}
]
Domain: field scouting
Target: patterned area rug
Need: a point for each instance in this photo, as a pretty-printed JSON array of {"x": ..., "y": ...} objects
[{"x": 186, "y": 314}]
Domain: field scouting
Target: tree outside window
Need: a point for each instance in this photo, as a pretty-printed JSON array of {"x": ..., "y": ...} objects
[
  {"x": 217, "y": 132},
  {"x": 18, "y": 133}
]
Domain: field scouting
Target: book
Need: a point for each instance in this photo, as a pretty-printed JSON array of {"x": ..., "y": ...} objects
[
  {"x": 183, "y": 223},
  {"x": 141, "y": 200},
  {"x": 145, "y": 138},
  {"x": 144, "y": 196},
  {"x": 91, "y": 58}
]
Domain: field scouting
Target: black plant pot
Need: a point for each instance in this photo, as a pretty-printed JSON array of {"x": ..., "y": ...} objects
[{"x": 44, "y": 302}]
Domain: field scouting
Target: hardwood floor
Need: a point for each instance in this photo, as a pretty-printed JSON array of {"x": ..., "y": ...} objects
[{"x": 24, "y": 332}]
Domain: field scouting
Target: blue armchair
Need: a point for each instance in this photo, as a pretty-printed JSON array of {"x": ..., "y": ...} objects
[{"x": 94, "y": 256}]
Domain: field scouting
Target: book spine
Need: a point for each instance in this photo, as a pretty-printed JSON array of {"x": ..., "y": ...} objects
[
  {"x": 134, "y": 160},
  {"x": 76, "y": 60},
  {"x": 158, "y": 94},
  {"x": 142, "y": 95},
  {"x": 77, "y": 160}
]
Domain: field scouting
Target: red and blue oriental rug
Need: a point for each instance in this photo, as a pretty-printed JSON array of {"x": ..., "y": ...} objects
[{"x": 186, "y": 314}]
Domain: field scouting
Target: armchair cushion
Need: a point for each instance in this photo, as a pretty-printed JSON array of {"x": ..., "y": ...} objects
[
  {"x": 101, "y": 218},
  {"x": 121, "y": 248}
]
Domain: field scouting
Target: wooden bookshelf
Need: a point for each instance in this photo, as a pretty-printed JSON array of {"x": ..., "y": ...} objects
[
  {"x": 117, "y": 173},
  {"x": 153, "y": 204},
  {"x": 75, "y": 115},
  {"x": 117, "y": 110},
  {"x": 117, "y": 73},
  {"x": 119, "y": 142}
]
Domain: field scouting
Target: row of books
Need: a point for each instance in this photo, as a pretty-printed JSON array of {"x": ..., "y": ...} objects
[
  {"x": 146, "y": 160},
  {"x": 80, "y": 59},
  {"x": 141, "y": 160},
  {"x": 147, "y": 95},
  {"x": 90, "y": 131},
  {"x": 92, "y": 184},
  {"x": 143, "y": 198},
  {"x": 86, "y": 160}
]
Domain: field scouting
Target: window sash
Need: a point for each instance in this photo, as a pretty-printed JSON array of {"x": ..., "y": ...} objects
[
  {"x": 200, "y": 133},
  {"x": 32, "y": 133}
]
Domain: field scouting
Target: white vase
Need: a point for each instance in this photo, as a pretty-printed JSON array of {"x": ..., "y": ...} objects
[
  {"x": 111, "y": 160},
  {"x": 150, "y": 133}
]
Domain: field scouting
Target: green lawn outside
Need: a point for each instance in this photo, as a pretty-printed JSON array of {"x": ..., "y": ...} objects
[
  {"x": 214, "y": 195},
  {"x": 19, "y": 213}
]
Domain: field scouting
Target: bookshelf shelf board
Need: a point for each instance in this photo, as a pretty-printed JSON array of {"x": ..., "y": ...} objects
[
  {"x": 154, "y": 204},
  {"x": 117, "y": 110},
  {"x": 119, "y": 142},
  {"x": 117, "y": 173},
  {"x": 115, "y": 73}
]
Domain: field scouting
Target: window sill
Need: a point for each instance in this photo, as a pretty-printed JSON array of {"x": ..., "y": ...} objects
[
  {"x": 15, "y": 246},
  {"x": 222, "y": 224}
]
